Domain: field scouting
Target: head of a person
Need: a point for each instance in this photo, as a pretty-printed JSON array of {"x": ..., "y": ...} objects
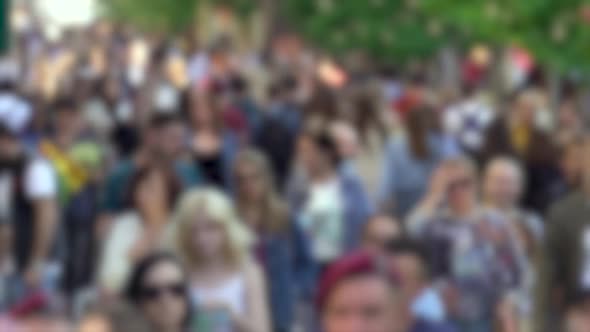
[
  {"x": 322, "y": 104},
  {"x": 503, "y": 183},
  {"x": 420, "y": 123},
  {"x": 346, "y": 138},
  {"x": 150, "y": 185},
  {"x": 524, "y": 108},
  {"x": 570, "y": 162},
  {"x": 378, "y": 232},
  {"x": 207, "y": 228},
  {"x": 165, "y": 136},
  {"x": 10, "y": 146},
  {"x": 585, "y": 149},
  {"x": 410, "y": 260},
  {"x": 318, "y": 153},
  {"x": 567, "y": 115},
  {"x": 158, "y": 287},
  {"x": 462, "y": 185},
  {"x": 358, "y": 294},
  {"x": 204, "y": 110},
  {"x": 577, "y": 317},
  {"x": 67, "y": 118},
  {"x": 255, "y": 186}
]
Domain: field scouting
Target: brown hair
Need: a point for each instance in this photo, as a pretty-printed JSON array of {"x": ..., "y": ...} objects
[
  {"x": 277, "y": 213},
  {"x": 366, "y": 118},
  {"x": 419, "y": 123},
  {"x": 201, "y": 101},
  {"x": 173, "y": 185}
]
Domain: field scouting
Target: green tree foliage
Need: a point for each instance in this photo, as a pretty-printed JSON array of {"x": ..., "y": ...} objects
[
  {"x": 389, "y": 30},
  {"x": 153, "y": 15},
  {"x": 556, "y": 32},
  {"x": 164, "y": 15}
]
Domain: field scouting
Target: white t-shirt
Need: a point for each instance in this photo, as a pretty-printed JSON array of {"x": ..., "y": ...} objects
[
  {"x": 39, "y": 182},
  {"x": 323, "y": 219}
]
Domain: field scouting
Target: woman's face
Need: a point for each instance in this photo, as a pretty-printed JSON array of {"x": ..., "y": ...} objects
[
  {"x": 209, "y": 237},
  {"x": 250, "y": 182},
  {"x": 163, "y": 297}
]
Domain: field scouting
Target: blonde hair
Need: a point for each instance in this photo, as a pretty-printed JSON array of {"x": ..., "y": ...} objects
[
  {"x": 277, "y": 213},
  {"x": 219, "y": 208}
]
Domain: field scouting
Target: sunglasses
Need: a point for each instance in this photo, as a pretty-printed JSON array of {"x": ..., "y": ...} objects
[{"x": 150, "y": 293}]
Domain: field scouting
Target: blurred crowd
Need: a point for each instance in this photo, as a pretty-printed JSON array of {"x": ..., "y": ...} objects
[{"x": 153, "y": 183}]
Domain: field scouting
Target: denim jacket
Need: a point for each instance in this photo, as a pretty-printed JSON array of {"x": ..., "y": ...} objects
[
  {"x": 289, "y": 271},
  {"x": 357, "y": 207}
]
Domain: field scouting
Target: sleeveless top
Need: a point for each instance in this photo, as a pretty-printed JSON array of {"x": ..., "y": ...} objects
[{"x": 231, "y": 293}]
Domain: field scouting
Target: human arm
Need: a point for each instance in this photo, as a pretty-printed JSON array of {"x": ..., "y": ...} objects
[
  {"x": 41, "y": 188},
  {"x": 429, "y": 205},
  {"x": 257, "y": 318}
]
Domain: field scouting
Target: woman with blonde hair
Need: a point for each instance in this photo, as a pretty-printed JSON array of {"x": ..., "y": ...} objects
[
  {"x": 280, "y": 245},
  {"x": 225, "y": 283}
]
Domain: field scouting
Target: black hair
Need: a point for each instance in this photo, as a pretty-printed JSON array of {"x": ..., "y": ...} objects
[
  {"x": 135, "y": 285},
  {"x": 406, "y": 245},
  {"x": 576, "y": 298},
  {"x": 326, "y": 144},
  {"x": 173, "y": 184},
  {"x": 65, "y": 103},
  {"x": 420, "y": 123},
  {"x": 6, "y": 132},
  {"x": 160, "y": 120}
]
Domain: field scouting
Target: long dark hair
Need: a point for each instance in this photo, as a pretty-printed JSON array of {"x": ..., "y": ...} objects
[
  {"x": 322, "y": 104},
  {"x": 420, "y": 123},
  {"x": 366, "y": 118},
  {"x": 173, "y": 184},
  {"x": 135, "y": 285}
]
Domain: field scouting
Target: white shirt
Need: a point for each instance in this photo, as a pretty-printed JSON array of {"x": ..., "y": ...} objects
[
  {"x": 40, "y": 181},
  {"x": 323, "y": 219},
  {"x": 231, "y": 293}
]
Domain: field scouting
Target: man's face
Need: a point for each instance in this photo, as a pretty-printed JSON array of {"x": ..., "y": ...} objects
[
  {"x": 502, "y": 185},
  {"x": 586, "y": 162},
  {"x": 172, "y": 139},
  {"x": 68, "y": 122},
  {"x": 360, "y": 304}
]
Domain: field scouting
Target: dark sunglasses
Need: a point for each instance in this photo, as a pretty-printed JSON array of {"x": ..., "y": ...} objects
[{"x": 152, "y": 293}]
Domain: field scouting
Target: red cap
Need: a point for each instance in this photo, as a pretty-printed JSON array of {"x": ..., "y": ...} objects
[{"x": 351, "y": 265}]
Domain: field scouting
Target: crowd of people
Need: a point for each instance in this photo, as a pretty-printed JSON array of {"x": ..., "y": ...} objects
[{"x": 152, "y": 183}]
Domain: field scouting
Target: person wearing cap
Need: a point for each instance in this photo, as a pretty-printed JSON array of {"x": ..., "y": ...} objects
[{"x": 358, "y": 293}]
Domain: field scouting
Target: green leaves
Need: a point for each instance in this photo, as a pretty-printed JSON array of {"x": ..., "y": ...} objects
[
  {"x": 153, "y": 15},
  {"x": 557, "y": 32}
]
